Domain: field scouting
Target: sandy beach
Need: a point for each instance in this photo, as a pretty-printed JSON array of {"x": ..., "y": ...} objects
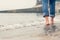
[{"x": 25, "y": 26}]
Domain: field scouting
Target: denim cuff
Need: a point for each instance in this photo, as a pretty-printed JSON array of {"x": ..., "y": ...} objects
[
  {"x": 52, "y": 15},
  {"x": 46, "y": 15}
]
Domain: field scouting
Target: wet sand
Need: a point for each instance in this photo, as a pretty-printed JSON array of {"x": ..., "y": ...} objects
[{"x": 25, "y": 27}]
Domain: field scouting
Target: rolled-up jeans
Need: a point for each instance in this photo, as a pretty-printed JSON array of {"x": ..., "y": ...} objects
[{"x": 45, "y": 8}]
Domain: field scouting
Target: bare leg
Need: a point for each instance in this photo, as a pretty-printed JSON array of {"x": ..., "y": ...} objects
[
  {"x": 52, "y": 24},
  {"x": 46, "y": 20},
  {"x": 46, "y": 28},
  {"x": 52, "y": 21}
]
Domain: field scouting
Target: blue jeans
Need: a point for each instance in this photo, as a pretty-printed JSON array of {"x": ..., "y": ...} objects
[{"x": 45, "y": 8}]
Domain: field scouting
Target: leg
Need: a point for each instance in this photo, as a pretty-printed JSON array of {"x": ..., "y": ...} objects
[
  {"x": 52, "y": 10},
  {"x": 52, "y": 21},
  {"x": 45, "y": 10},
  {"x": 45, "y": 15},
  {"x": 52, "y": 14},
  {"x": 46, "y": 20}
]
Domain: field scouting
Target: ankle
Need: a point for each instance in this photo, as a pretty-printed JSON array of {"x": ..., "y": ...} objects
[{"x": 47, "y": 25}]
